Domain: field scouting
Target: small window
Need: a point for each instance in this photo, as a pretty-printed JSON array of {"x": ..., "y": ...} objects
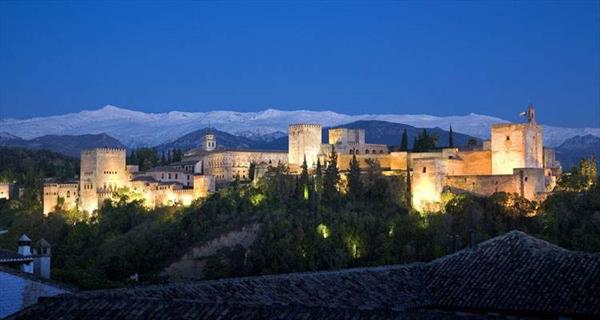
[
  {"x": 367, "y": 151},
  {"x": 525, "y": 178},
  {"x": 507, "y": 138},
  {"x": 424, "y": 169},
  {"x": 176, "y": 176}
]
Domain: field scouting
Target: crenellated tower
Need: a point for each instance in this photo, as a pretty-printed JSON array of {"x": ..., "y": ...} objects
[{"x": 304, "y": 141}]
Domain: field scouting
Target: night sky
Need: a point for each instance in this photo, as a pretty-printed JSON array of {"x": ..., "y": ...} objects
[{"x": 437, "y": 58}]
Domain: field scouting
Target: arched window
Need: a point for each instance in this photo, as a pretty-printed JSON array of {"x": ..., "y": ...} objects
[
  {"x": 68, "y": 194},
  {"x": 367, "y": 151}
]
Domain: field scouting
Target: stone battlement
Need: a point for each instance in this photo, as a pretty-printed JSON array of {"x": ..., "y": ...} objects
[
  {"x": 304, "y": 125},
  {"x": 103, "y": 150},
  {"x": 62, "y": 185}
]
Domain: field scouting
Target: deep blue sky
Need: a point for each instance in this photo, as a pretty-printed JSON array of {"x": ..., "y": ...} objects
[{"x": 437, "y": 58}]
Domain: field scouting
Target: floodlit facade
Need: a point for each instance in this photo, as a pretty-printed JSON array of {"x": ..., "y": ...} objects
[
  {"x": 514, "y": 160},
  {"x": 104, "y": 173}
]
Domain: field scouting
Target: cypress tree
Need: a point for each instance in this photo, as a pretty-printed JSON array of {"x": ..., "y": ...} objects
[
  {"x": 451, "y": 138},
  {"x": 331, "y": 179},
  {"x": 404, "y": 141},
  {"x": 354, "y": 188},
  {"x": 304, "y": 179},
  {"x": 134, "y": 159},
  {"x": 416, "y": 147},
  {"x": 318, "y": 177}
]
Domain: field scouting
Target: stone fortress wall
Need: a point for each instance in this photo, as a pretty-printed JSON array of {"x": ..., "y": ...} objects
[
  {"x": 516, "y": 146},
  {"x": 513, "y": 160},
  {"x": 226, "y": 165},
  {"x": 68, "y": 193},
  {"x": 352, "y": 141},
  {"x": 102, "y": 170},
  {"x": 4, "y": 190},
  {"x": 304, "y": 141},
  {"x": 516, "y": 163}
]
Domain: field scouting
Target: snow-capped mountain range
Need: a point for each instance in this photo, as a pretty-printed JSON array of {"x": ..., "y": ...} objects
[{"x": 135, "y": 128}]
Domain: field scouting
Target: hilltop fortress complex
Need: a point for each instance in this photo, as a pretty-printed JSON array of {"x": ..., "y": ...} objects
[{"x": 513, "y": 160}]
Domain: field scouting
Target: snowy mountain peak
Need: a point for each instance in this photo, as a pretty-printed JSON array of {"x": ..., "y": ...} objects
[{"x": 136, "y": 128}]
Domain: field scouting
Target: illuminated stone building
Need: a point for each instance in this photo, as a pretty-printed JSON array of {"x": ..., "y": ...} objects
[
  {"x": 104, "y": 172},
  {"x": 5, "y": 190},
  {"x": 513, "y": 161},
  {"x": 225, "y": 165}
]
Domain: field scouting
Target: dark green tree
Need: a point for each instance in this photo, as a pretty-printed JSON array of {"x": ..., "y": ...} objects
[
  {"x": 331, "y": 179},
  {"x": 177, "y": 155},
  {"x": 451, "y": 138},
  {"x": 163, "y": 159},
  {"x": 404, "y": 141},
  {"x": 354, "y": 187},
  {"x": 133, "y": 159},
  {"x": 304, "y": 182},
  {"x": 425, "y": 142},
  {"x": 251, "y": 171},
  {"x": 319, "y": 178}
]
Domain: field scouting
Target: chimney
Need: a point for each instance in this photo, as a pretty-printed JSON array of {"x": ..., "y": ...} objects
[
  {"x": 25, "y": 250},
  {"x": 42, "y": 260},
  {"x": 471, "y": 238}
]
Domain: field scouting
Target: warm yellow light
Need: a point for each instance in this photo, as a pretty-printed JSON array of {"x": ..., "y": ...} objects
[
  {"x": 354, "y": 247},
  {"x": 323, "y": 230},
  {"x": 425, "y": 196},
  {"x": 256, "y": 199}
]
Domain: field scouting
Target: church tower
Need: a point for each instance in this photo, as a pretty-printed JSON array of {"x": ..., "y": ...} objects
[{"x": 209, "y": 141}]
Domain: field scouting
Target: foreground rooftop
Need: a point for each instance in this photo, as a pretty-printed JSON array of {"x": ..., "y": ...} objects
[{"x": 514, "y": 275}]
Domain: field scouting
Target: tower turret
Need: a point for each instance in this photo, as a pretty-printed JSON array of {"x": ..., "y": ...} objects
[
  {"x": 25, "y": 250},
  {"x": 209, "y": 141}
]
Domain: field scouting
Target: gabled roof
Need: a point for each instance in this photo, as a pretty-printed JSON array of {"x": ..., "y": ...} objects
[
  {"x": 7, "y": 256},
  {"x": 35, "y": 278},
  {"x": 514, "y": 274}
]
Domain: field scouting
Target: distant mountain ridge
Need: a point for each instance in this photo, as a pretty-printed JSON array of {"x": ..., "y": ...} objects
[
  {"x": 135, "y": 128},
  {"x": 572, "y": 150},
  {"x": 69, "y": 145},
  {"x": 379, "y": 132}
]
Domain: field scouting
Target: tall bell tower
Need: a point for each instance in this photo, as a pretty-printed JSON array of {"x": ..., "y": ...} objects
[{"x": 209, "y": 141}]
